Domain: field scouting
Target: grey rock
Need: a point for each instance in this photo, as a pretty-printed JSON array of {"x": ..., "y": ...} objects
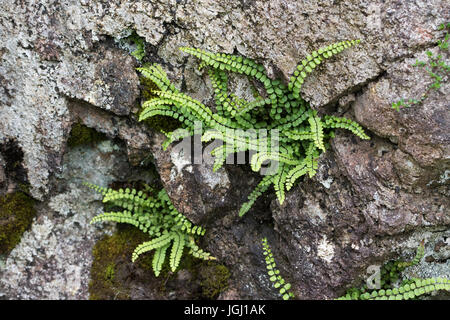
[
  {"x": 60, "y": 64},
  {"x": 53, "y": 259}
]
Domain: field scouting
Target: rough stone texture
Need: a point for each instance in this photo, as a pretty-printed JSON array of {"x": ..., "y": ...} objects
[
  {"x": 420, "y": 132},
  {"x": 111, "y": 84},
  {"x": 370, "y": 201},
  {"x": 54, "y": 257},
  {"x": 352, "y": 214}
]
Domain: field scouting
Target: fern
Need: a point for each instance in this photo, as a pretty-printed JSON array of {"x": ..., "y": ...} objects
[
  {"x": 409, "y": 289},
  {"x": 297, "y": 134},
  {"x": 436, "y": 68},
  {"x": 274, "y": 274},
  {"x": 152, "y": 212}
]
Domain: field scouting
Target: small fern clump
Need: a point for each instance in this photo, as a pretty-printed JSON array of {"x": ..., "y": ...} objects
[
  {"x": 274, "y": 274},
  {"x": 436, "y": 68},
  {"x": 295, "y": 134},
  {"x": 134, "y": 44},
  {"x": 409, "y": 289},
  {"x": 391, "y": 271},
  {"x": 152, "y": 212}
]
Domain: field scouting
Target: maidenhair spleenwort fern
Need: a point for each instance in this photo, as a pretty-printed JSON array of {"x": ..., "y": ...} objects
[
  {"x": 152, "y": 212},
  {"x": 296, "y": 134},
  {"x": 274, "y": 274},
  {"x": 409, "y": 289}
]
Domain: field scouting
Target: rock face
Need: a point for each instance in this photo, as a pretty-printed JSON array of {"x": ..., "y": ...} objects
[
  {"x": 370, "y": 201},
  {"x": 54, "y": 256}
]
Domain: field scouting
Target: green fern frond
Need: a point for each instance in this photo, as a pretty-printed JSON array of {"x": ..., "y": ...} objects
[
  {"x": 420, "y": 252},
  {"x": 197, "y": 252},
  {"x": 177, "y": 250},
  {"x": 316, "y": 130},
  {"x": 274, "y": 274},
  {"x": 158, "y": 76},
  {"x": 262, "y": 186},
  {"x": 152, "y": 244},
  {"x": 313, "y": 60},
  {"x": 158, "y": 259},
  {"x": 229, "y": 62},
  {"x": 119, "y": 217},
  {"x": 279, "y": 183},
  {"x": 410, "y": 289},
  {"x": 259, "y": 158},
  {"x": 252, "y": 105},
  {"x": 300, "y": 135},
  {"x": 295, "y": 173},
  {"x": 99, "y": 189},
  {"x": 418, "y": 288},
  {"x": 344, "y": 123}
]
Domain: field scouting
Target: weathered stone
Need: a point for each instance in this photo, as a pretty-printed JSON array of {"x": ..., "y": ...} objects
[
  {"x": 420, "y": 131},
  {"x": 54, "y": 257},
  {"x": 352, "y": 214},
  {"x": 111, "y": 83},
  {"x": 195, "y": 189},
  {"x": 370, "y": 201},
  {"x": 136, "y": 138}
]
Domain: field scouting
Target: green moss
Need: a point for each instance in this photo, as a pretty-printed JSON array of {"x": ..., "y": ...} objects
[
  {"x": 81, "y": 134},
  {"x": 139, "y": 52},
  {"x": 113, "y": 274},
  {"x": 214, "y": 279},
  {"x": 16, "y": 214},
  {"x": 209, "y": 278},
  {"x": 110, "y": 255}
]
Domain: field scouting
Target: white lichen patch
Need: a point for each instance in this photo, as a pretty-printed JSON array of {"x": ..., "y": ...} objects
[
  {"x": 443, "y": 178},
  {"x": 179, "y": 159},
  {"x": 325, "y": 250},
  {"x": 107, "y": 146},
  {"x": 214, "y": 179},
  {"x": 327, "y": 183}
]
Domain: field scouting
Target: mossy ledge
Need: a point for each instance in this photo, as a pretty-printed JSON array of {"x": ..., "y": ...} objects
[
  {"x": 16, "y": 214},
  {"x": 113, "y": 275},
  {"x": 81, "y": 135}
]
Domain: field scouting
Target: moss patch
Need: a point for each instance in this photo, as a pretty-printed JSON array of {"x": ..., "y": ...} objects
[
  {"x": 111, "y": 254},
  {"x": 114, "y": 276},
  {"x": 81, "y": 134},
  {"x": 214, "y": 279},
  {"x": 16, "y": 214}
]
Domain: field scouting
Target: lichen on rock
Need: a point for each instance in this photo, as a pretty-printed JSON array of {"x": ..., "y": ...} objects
[
  {"x": 61, "y": 69},
  {"x": 16, "y": 214}
]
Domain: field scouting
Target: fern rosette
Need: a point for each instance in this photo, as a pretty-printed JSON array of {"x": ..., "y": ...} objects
[{"x": 291, "y": 135}]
